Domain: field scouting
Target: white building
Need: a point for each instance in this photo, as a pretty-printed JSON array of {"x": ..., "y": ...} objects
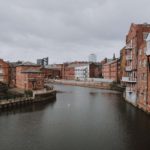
[
  {"x": 82, "y": 72},
  {"x": 92, "y": 58},
  {"x": 148, "y": 45}
]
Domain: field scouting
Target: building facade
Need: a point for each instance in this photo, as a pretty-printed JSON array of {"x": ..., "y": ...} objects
[
  {"x": 111, "y": 70},
  {"x": 122, "y": 62},
  {"x": 82, "y": 72},
  {"x": 143, "y": 75},
  {"x": 68, "y": 71},
  {"x": 136, "y": 64},
  {"x": 29, "y": 77},
  {"x": 92, "y": 58},
  {"x": 89, "y": 70},
  {"x": 4, "y": 72},
  {"x": 52, "y": 72},
  {"x": 148, "y": 71}
]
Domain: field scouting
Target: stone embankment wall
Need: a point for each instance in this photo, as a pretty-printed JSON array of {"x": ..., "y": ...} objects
[
  {"x": 99, "y": 85},
  {"x": 91, "y": 84},
  {"x": 22, "y": 101}
]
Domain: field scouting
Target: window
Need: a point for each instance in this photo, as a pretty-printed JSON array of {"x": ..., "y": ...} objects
[
  {"x": 144, "y": 63},
  {"x": 140, "y": 52},
  {"x": 140, "y": 63}
]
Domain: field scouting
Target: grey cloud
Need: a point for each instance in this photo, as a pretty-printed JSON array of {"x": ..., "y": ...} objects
[{"x": 66, "y": 30}]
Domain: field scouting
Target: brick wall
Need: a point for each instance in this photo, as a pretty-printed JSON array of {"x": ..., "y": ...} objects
[
  {"x": 95, "y": 70},
  {"x": 51, "y": 73},
  {"x": 29, "y": 80},
  {"x": 4, "y": 72},
  {"x": 111, "y": 70}
]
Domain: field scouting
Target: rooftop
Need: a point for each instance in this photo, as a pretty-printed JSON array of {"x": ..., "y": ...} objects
[
  {"x": 28, "y": 63},
  {"x": 32, "y": 71}
]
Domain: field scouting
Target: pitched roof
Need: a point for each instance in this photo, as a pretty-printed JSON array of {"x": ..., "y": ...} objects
[
  {"x": 112, "y": 61},
  {"x": 31, "y": 70}
]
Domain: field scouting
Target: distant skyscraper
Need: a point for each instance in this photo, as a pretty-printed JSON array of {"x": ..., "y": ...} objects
[
  {"x": 92, "y": 58},
  {"x": 39, "y": 61},
  {"x": 43, "y": 61}
]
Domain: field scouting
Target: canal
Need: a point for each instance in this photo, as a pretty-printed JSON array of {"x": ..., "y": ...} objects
[{"x": 80, "y": 119}]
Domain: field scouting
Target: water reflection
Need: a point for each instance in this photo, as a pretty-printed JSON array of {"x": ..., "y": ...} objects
[
  {"x": 93, "y": 93},
  {"x": 81, "y": 118}
]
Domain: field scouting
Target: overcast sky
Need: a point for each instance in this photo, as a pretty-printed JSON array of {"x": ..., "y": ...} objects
[{"x": 67, "y": 30}]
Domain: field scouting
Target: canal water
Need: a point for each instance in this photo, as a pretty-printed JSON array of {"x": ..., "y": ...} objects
[{"x": 80, "y": 119}]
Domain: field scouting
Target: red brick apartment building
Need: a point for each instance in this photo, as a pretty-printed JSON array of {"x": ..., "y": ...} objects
[
  {"x": 4, "y": 72},
  {"x": 29, "y": 77},
  {"x": 143, "y": 74},
  {"x": 137, "y": 74},
  {"x": 12, "y": 73},
  {"x": 111, "y": 70},
  {"x": 8, "y": 72},
  {"x": 68, "y": 71},
  {"x": 122, "y": 62},
  {"x": 76, "y": 70},
  {"x": 53, "y": 71}
]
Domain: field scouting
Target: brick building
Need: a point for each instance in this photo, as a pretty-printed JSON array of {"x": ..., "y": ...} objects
[
  {"x": 68, "y": 71},
  {"x": 52, "y": 71},
  {"x": 136, "y": 64},
  {"x": 148, "y": 71},
  {"x": 88, "y": 70},
  {"x": 111, "y": 70},
  {"x": 4, "y": 72},
  {"x": 122, "y": 62},
  {"x": 12, "y": 73},
  {"x": 143, "y": 74},
  {"x": 81, "y": 70},
  {"x": 29, "y": 76}
]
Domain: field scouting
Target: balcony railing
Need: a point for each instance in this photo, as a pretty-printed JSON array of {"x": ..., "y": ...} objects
[
  {"x": 128, "y": 47},
  {"x": 129, "y": 68},
  {"x": 129, "y": 79},
  {"x": 147, "y": 49},
  {"x": 125, "y": 79},
  {"x": 1, "y": 79},
  {"x": 129, "y": 89},
  {"x": 129, "y": 57}
]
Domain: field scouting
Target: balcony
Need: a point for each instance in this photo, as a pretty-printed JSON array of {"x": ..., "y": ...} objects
[
  {"x": 1, "y": 79},
  {"x": 1, "y": 74},
  {"x": 129, "y": 89},
  {"x": 125, "y": 79},
  {"x": 129, "y": 57},
  {"x": 129, "y": 68},
  {"x": 128, "y": 47},
  {"x": 129, "y": 79},
  {"x": 1, "y": 71},
  {"x": 133, "y": 80},
  {"x": 148, "y": 46}
]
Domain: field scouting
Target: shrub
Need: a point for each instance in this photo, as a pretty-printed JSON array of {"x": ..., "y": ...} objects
[{"x": 28, "y": 93}]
